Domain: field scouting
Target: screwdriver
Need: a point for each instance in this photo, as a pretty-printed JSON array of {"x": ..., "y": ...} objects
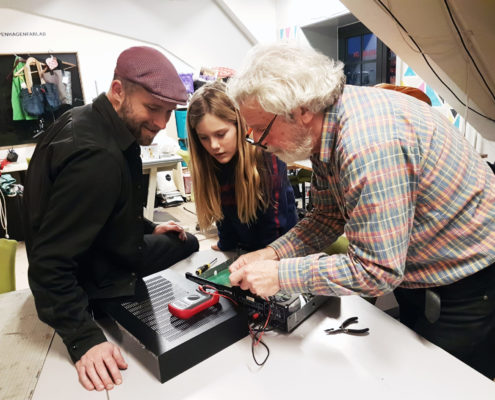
[{"x": 205, "y": 267}]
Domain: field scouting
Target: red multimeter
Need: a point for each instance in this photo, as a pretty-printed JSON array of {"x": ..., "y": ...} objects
[{"x": 186, "y": 307}]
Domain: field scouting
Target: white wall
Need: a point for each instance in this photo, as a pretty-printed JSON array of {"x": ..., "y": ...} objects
[
  {"x": 324, "y": 36},
  {"x": 198, "y": 32},
  {"x": 319, "y": 18},
  {"x": 97, "y": 51},
  {"x": 258, "y": 17},
  {"x": 305, "y": 12}
]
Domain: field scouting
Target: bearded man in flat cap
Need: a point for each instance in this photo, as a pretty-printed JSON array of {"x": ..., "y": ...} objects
[{"x": 86, "y": 236}]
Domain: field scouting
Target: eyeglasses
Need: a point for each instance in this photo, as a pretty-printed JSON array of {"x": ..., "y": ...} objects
[{"x": 265, "y": 133}]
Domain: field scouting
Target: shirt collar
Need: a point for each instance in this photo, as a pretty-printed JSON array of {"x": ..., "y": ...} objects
[
  {"x": 331, "y": 125},
  {"x": 122, "y": 135}
]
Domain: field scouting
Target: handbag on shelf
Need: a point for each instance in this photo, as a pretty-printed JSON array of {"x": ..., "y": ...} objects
[{"x": 36, "y": 99}]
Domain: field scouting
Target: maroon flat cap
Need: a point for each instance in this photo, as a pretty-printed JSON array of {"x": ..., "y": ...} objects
[{"x": 153, "y": 71}]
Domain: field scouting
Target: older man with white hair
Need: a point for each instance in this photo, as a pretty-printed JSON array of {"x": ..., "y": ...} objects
[{"x": 414, "y": 199}]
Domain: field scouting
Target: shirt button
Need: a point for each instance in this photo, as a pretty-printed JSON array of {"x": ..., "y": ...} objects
[
  {"x": 140, "y": 248},
  {"x": 74, "y": 347},
  {"x": 140, "y": 217},
  {"x": 139, "y": 186}
]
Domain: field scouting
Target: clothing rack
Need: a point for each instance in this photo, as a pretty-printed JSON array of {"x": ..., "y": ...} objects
[
  {"x": 45, "y": 67},
  {"x": 22, "y": 131}
]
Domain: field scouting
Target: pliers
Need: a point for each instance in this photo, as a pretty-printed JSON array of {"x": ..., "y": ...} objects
[{"x": 343, "y": 328}]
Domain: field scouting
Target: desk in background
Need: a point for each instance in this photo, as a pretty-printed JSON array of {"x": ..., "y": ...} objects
[
  {"x": 150, "y": 166},
  {"x": 164, "y": 163},
  {"x": 15, "y": 167},
  {"x": 303, "y": 164},
  {"x": 392, "y": 362}
]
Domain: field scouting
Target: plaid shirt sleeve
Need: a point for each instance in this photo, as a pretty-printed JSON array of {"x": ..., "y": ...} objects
[
  {"x": 379, "y": 189},
  {"x": 321, "y": 227}
]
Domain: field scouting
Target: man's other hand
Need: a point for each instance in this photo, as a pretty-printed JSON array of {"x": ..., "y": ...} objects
[
  {"x": 267, "y": 253},
  {"x": 259, "y": 277},
  {"x": 170, "y": 226},
  {"x": 99, "y": 368}
]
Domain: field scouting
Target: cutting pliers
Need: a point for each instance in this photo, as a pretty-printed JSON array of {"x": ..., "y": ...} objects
[{"x": 343, "y": 328}]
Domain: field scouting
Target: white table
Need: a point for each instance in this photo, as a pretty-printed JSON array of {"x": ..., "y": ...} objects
[
  {"x": 151, "y": 167},
  {"x": 15, "y": 167},
  {"x": 392, "y": 362}
]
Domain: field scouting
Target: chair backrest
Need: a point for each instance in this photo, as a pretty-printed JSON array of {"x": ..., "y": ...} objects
[
  {"x": 7, "y": 265},
  {"x": 338, "y": 247},
  {"x": 185, "y": 155},
  {"x": 411, "y": 91}
]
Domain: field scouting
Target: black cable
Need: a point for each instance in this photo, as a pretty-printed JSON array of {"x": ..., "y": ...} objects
[
  {"x": 252, "y": 351},
  {"x": 255, "y": 332},
  {"x": 259, "y": 331},
  {"x": 428, "y": 63}
]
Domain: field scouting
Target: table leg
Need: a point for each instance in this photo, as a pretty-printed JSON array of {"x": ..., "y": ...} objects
[
  {"x": 179, "y": 179},
  {"x": 150, "y": 202}
]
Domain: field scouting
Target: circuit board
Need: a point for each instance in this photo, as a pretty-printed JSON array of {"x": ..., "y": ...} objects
[{"x": 219, "y": 274}]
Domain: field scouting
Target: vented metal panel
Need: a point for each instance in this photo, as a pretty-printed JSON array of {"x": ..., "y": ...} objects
[
  {"x": 165, "y": 344},
  {"x": 157, "y": 293}
]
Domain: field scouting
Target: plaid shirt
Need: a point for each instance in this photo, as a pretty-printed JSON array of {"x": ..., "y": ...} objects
[{"x": 415, "y": 200}]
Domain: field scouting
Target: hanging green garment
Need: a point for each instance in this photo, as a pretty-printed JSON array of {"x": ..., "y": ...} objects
[{"x": 17, "y": 110}]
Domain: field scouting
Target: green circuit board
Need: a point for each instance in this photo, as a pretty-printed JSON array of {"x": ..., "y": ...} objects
[
  {"x": 219, "y": 274},
  {"x": 221, "y": 278}
]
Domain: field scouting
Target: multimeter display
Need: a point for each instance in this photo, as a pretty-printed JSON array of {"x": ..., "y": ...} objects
[{"x": 192, "y": 304}]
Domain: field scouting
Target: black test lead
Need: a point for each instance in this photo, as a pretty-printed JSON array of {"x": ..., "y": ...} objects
[{"x": 205, "y": 267}]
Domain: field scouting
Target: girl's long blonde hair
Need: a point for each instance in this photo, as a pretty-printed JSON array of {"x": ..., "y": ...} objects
[{"x": 251, "y": 180}]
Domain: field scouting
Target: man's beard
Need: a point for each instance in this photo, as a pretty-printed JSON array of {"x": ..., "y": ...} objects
[
  {"x": 300, "y": 149},
  {"x": 135, "y": 127}
]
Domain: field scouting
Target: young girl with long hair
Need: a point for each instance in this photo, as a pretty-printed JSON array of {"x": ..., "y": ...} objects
[{"x": 242, "y": 189}]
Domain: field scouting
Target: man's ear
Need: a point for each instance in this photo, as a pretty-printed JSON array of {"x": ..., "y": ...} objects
[
  {"x": 116, "y": 94},
  {"x": 303, "y": 115}
]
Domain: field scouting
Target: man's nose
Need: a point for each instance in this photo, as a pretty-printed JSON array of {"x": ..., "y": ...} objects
[{"x": 161, "y": 121}]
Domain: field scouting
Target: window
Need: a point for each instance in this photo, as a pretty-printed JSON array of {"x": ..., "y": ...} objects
[{"x": 367, "y": 60}]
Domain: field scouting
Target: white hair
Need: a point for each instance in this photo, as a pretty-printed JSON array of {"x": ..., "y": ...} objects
[{"x": 282, "y": 77}]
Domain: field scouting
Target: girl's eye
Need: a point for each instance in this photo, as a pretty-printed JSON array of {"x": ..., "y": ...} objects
[{"x": 202, "y": 138}]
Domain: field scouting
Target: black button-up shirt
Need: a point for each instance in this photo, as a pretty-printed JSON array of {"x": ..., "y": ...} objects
[{"x": 84, "y": 219}]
